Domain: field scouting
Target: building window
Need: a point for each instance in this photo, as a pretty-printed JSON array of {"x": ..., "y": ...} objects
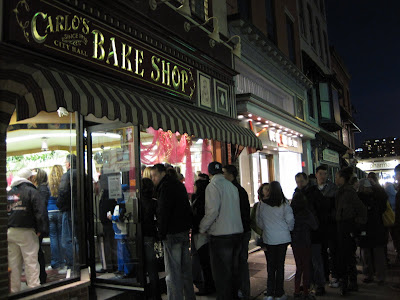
[
  {"x": 301, "y": 17},
  {"x": 271, "y": 24},
  {"x": 326, "y": 111},
  {"x": 300, "y": 108},
  {"x": 311, "y": 26},
  {"x": 200, "y": 8},
  {"x": 290, "y": 38}
]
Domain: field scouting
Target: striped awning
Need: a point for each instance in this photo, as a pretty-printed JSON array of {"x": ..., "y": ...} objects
[{"x": 36, "y": 88}]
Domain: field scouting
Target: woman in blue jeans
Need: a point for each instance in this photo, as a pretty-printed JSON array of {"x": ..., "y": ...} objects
[
  {"x": 55, "y": 218},
  {"x": 275, "y": 218}
]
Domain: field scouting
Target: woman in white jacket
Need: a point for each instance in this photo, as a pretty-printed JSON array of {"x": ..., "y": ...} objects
[{"x": 275, "y": 218}]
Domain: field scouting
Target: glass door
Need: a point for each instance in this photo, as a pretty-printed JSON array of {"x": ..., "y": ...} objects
[{"x": 116, "y": 247}]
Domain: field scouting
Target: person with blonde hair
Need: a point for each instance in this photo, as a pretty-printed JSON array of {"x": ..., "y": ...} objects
[
  {"x": 147, "y": 173},
  {"x": 55, "y": 219}
]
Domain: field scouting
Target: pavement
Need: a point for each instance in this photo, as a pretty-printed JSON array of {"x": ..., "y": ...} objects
[{"x": 371, "y": 291}]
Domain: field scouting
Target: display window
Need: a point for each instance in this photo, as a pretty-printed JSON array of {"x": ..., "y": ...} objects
[{"x": 42, "y": 201}]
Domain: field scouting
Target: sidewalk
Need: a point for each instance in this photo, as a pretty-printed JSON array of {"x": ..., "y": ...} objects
[{"x": 258, "y": 274}]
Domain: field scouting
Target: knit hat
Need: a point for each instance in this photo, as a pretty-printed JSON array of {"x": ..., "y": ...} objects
[
  {"x": 25, "y": 173},
  {"x": 215, "y": 168}
]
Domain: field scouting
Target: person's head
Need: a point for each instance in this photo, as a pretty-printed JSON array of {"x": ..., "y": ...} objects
[
  {"x": 397, "y": 173},
  {"x": 55, "y": 175},
  {"x": 364, "y": 186},
  {"x": 26, "y": 173},
  {"x": 200, "y": 185},
  {"x": 171, "y": 172},
  {"x": 373, "y": 177},
  {"x": 203, "y": 176},
  {"x": 354, "y": 182},
  {"x": 299, "y": 202},
  {"x": 321, "y": 173},
  {"x": 343, "y": 176},
  {"x": 147, "y": 187},
  {"x": 70, "y": 161},
  {"x": 263, "y": 191},
  {"x": 147, "y": 173},
  {"x": 158, "y": 172},
  {"x": 301, "y": 180},
  {"x": 214, "y": 168},
  {"x": 276, "y": 196},
  {"x": 230, "y": 172},
  {"x": 40, "y": 177}
]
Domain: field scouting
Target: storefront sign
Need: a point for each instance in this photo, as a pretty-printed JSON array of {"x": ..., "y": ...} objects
[
  {"x": 49, "y": 26},
  {"x": 378, "y": 165},
  {"x": 329, "y": 155},
  {"x": 282, "y": 139}
]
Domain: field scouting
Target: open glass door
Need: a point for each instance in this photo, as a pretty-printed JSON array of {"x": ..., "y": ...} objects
[{"x": 112, "y": 171}]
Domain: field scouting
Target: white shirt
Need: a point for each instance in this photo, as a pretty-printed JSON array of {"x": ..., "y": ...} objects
[{"x": 222, "y": 210}]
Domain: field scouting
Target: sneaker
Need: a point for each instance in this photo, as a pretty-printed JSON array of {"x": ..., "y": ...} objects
[
  {"x": 334, "y": 283},
  {"x": 268, "y": 298}
]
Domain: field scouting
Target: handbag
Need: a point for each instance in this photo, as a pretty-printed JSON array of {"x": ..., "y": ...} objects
[{"x": 388, "y": 216}]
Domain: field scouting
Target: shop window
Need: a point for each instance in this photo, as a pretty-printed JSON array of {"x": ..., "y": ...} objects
[
  {"x": 200, "y": 8},
  {"x": 188, "y": 155},
  {"x": 290, "y": 39},
  {"x": 310, "y": 101},
  {"x": 300, "y": 108},
  {"x": 43, "y": 224},
  {"x": 301, "y": 18},
  {"x": 325, "y": 101}
]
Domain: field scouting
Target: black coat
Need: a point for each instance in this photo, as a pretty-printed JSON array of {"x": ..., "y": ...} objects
[
  {"x": 44, "y": 192},
  {"x": 315, "y": 201},
  {"x": 375, "y": 203},
  {"x": 174, "y": 214},
  {"x": 64, "y": 192},
  {"x": 106, "y": 205},
  {"x": 244, "y": 206},
  {"x": 149, "y": 211},
  {"x": 198, "y": 208},
  {"x": 26, "y": 209}
]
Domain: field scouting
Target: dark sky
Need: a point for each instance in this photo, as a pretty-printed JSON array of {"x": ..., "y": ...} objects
[{"x": 366, "y": 34}]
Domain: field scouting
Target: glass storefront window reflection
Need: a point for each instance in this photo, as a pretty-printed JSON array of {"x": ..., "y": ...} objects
[{"x": 42, "y": 248}]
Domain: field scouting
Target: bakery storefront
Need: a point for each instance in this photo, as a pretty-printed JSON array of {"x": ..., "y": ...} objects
[{"x": 76, "y": 78}]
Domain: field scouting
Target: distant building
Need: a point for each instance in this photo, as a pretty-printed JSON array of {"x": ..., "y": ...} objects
[{"x": 383, "y": 147}]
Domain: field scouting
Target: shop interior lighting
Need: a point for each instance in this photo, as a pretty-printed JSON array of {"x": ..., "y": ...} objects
[
  {"x": 237, "y": 49},
  {"x": 250, "y": 115},
  {"x": 258, "y": 123},
  {"x": 45, "y": 146},
  {"x": 240, "y": 116},
  {"x": 258, "y": 119},
  {"x": 213, "y": 35},
  {"x": 184, "y": 9},
  {"x": 266, "y": 122},
  {"x": 58, "y": 135}
]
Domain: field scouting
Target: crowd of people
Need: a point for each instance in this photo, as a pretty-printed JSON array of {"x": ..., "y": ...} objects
[
  {"x": 39, "y": 205},
  {"x": 324, "y": 223}
]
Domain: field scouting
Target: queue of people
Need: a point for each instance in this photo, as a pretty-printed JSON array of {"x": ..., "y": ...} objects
[{"x": 324, "y": 223}]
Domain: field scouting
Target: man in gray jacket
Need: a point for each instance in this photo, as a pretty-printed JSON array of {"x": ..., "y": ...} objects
[{"x": 222, "y": 221}]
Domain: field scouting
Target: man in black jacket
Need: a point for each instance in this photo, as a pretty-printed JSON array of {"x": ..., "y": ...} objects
[
  {"x": 67, "y": 196},
  {"x": 315, "y": 199},
  {"x": 174, "y": 222},
  {"x": 231, "y": 173},
  {"x": 27, "y": 220}
]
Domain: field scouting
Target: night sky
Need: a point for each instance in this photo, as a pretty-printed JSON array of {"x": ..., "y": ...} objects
[{"x": 366, "y": 34}]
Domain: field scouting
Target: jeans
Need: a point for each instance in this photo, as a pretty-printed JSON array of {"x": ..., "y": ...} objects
[
  {"x": 151, "y": 267},
  {"x": 205, "y": 263},
  {"x": 125, "y": 263},
  {"x": 57, "y": 251},
  {"x": 276, "y": 269},
  {"x": 42, "y": 263},
  {"x": 224, "y": 254},
  {"x": 318, "y": 274},
  {"x": 244, "y": 266},
  {"x": 345, "y": 256},
  {"x": 302, "y": 255},
  {"x": 178, "y": 267},
  {"x": 66, "y": 238}
]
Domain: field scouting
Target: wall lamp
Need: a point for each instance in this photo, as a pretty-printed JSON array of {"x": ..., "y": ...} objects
[
  {"x": 184, "y": 9},
  {"x": 214, "y": 35},
  {"x": 237, "y": 49}
]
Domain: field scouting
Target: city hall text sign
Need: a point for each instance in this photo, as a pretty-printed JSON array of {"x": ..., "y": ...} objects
[{"x": 59, "y": 30}]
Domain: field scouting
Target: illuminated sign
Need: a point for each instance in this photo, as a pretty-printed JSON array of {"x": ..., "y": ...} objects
[
  {"x": 51, "y": 27},
  {"x": 282, "y": 139}
]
